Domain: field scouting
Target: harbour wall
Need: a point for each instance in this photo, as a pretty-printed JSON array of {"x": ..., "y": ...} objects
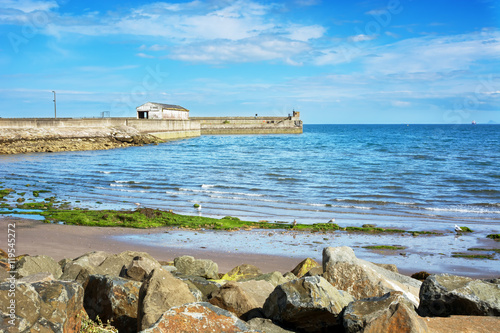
[
  {"x": 249, "y": 125},
  {"x": 165, "y": 128}
]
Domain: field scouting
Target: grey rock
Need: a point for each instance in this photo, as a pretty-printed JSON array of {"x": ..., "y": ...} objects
[
  {"x": 392, "y": 312},
  {"x": 197, "y": 267},
  {"x": 159, "y": 292},
  {"x": 289, "y": 276},
  {"x": 308, "y": 304},
  {"x": 444, "y": 295},
  {"x": 363, "y": 279},
  {"x": 206, "y": 287},
  {"x": 30, "y": 265}
]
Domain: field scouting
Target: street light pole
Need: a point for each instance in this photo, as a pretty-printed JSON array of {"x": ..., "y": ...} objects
[{"x": 55, "y": 111}]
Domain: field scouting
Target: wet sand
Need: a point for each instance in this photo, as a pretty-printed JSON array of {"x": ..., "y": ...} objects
[
  {"x": 69, "y": 241},
  {"x": 270, "y": 251}
]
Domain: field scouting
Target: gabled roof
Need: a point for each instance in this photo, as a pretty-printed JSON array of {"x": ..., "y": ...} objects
[{"x": 170, "y": 106}]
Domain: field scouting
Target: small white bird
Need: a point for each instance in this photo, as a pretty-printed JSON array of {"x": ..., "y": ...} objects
[
  {"x": 331, "y": 221},
  {"x": 294, "y": 223},
  {"x": 457, "y": 228},
  {"x": 199, "y": 207},
  {"x": 137, "y": 204}
]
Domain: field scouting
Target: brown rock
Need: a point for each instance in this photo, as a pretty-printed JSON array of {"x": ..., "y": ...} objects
[
  {"x": 232, "y": 298},
  {"x": 113, "y": 298},
  {"x": 159, "y": 292},
  {"x": 392, "y": 312},
  {"x": 463, "y": 324},
  {"x": 199, "y": 318}
]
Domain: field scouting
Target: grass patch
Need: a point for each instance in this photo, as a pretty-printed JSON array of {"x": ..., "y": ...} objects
[
  {"x": 472, "y": 256},
  {"x": 36, "y": 205},
  {"x": 466, "y": 229},
  {"x": 385, "y": 247},
  {"x": 416, "y": 233}
]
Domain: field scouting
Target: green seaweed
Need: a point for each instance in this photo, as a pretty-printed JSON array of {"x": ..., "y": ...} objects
[
  {"x": 483, "y": 249},
  {"x": 494, "y": 236},
  {"x": 472, "y": 256},
  {"x": 384, "y": 247}
]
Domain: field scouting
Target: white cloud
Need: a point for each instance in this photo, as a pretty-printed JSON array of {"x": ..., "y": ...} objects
[
  {"x": 144, "y": 55},
  {"x": 246, "y": 50},
  {"x": 362, "y": 38},
  {"x": 305, "y": 33},
  {"x": 28, "y": 6},
  {"x": 436, "y": 54}
]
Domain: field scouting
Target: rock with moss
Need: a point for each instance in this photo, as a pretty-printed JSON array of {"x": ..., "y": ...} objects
[
  {"x": 242, "y": 272},
  {"x": 304, "y": 266}
]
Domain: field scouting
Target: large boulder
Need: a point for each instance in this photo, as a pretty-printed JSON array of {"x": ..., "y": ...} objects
[
  {"x": 113, "y": 264},
  {"x": 232, "y": 298},
  {"x": 159, "y": 292},
  {"x": 259, "y": 290},
  {"x": 308, "y": 304},
  {"x": 198, "y": 317},
  {"x": 113, "y": 298},
  {"x": 139, "y": 268},
  {"x": 392, "y": 312},
  {"x": 304, "y": 266},
  {"x": 188, "y": 265},
  {"x": 444, "y": 295},
  {"x": 363, "y": 279},
  {"x": 30, "y": 265},
  {"x": 51, "y": 306}
]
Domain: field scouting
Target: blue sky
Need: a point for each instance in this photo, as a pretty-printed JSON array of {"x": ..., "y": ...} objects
[{"x": 368, "y": 61}]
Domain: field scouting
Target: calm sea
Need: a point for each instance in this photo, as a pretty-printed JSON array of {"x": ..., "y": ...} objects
[{"x": 410, "y": 176}]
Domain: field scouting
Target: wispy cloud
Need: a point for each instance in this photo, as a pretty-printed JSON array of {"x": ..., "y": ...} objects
[{"x": 28, "y": 6}]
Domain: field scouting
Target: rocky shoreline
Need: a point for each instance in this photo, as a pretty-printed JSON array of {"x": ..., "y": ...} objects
[
  {"x": 137, "y": 293},
  {"x": 37, "y": 140}
]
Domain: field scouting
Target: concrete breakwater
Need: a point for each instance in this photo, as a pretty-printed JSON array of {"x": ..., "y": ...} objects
[{"x": 25, "y": 135}]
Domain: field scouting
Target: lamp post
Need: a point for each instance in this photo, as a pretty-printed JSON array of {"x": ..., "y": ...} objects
[{"x": 55, "y": 111}]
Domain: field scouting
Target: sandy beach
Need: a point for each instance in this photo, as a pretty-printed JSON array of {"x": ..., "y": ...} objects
[{"x": 68, "y": 241}]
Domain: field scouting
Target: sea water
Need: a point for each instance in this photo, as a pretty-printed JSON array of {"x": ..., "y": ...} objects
[{"x": 418, "y": 176}]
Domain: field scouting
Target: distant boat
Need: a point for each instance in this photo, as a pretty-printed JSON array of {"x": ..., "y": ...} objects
[{"x": 473, "y": 122}]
